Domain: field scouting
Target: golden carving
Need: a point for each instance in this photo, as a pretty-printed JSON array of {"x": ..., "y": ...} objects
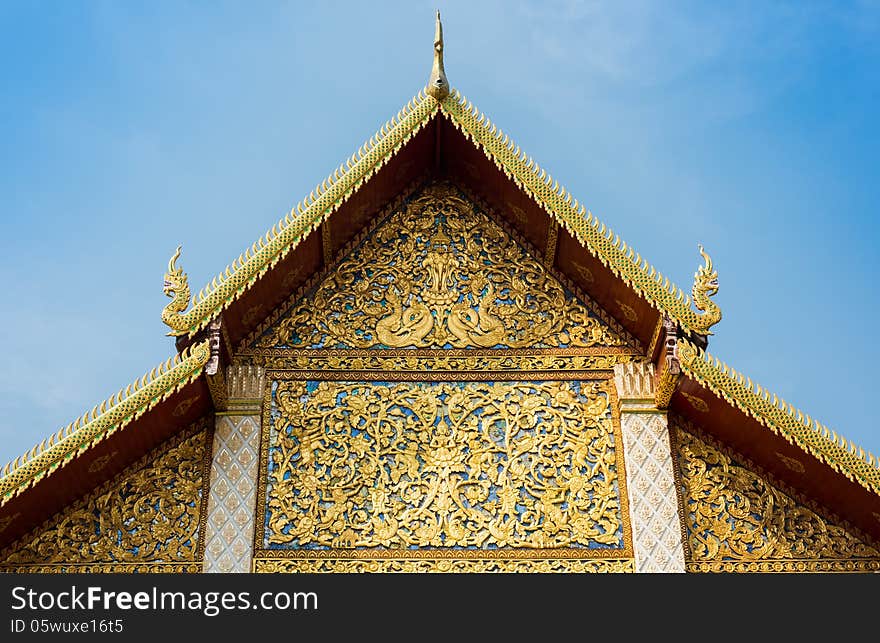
[
  {"x": 150, "y": 513},
  {"x": 107, "y": 568},
  {"x": 471, "y": 466},
  {"x": 706, "y": 286},
  {"x": 737, "y": 521},
  {"x": 176, "y": 286},
  {"x": 440, "y": 274},
  {"x": 440, "y": 565},
  {"x": 666, "y": 385}
]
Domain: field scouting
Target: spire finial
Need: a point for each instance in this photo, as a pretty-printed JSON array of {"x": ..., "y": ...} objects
[{"x": 438, "y": 86}]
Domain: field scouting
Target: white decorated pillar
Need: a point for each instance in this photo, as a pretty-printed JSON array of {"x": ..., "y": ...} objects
[
  {"x": 650, "y": 479},
  {"x": 229, "y": 533}
]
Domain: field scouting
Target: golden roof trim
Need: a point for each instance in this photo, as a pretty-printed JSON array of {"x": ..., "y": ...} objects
[
  {"x": 593, "y": 235},
  {"x": 291, "y": 229},
  {"x": 103, "y": 420},
  {"x": 325, "y": 199},
  {"x": 782, "y": 418}
]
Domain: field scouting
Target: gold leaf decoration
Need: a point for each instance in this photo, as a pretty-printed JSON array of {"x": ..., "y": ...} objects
[
  {"x": 146, "y": 519},
  {"x": 737, "y": 521},
  {"x": 439, "y": 274},
  {"x": 415, "y": 467}
]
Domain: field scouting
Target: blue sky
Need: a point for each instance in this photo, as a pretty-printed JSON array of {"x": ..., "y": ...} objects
[{"x": 129, "y": 127}]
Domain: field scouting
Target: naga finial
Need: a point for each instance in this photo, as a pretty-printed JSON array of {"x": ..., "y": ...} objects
[
  {"x": 705, "y": 286},
  {"x": 438, "y": 86},
  {"x": 175, "y": 286}
]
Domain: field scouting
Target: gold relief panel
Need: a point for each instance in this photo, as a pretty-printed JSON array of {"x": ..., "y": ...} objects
[
  {"x": 149, "y": 518},
  {"x": 438, "y": 273},
  {"x": 495, "y": 475},
  {"x": 737, "y": 521}
]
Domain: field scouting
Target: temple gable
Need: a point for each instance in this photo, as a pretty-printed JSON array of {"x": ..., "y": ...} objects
[{"x": 439, "y": 273}]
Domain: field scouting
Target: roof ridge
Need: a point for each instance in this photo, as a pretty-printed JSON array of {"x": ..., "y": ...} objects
[
  {"x": 292, "y": 228},
  {"x": 622, "y": 259},
  {"x": 798, "y": 428},
  {"x": 104, "y": 419}
]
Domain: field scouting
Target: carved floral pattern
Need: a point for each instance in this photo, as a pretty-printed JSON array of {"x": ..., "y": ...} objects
[
  {"x": 734, "y": 515},
  {"x": 148, "y": 519},
  {"x": 464, "y": 465}
]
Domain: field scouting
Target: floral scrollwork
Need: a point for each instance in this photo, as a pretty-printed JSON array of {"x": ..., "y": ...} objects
[{"x": 462, "y": 465}]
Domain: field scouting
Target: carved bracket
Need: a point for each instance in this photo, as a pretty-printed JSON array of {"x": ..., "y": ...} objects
[
  {"x": 214, "y": 372},
  {"x": 670, "y": 368}
]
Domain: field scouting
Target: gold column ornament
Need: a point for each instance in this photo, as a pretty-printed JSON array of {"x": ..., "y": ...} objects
[
  {"x": 438, "y": 86},
  {"x": 705, "y": 286}
]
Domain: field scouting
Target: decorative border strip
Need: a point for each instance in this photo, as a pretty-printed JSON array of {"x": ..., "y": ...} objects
[
  {"x": 107, "y": 568},
  {"x": 438, "y": 364},
  {"x": 435, "y": 553},
  {"x": 824, "y": 565},
  {"x": 453, "y": 565},
  {"x": 780, "y": 417},
  {"x": 441, "y": 376},
  {"x": 103, "y": 420},
  {"x": 262, "y": 482}
]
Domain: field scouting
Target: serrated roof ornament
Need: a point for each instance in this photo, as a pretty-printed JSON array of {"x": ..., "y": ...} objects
[{"x": 438, "y": 86}]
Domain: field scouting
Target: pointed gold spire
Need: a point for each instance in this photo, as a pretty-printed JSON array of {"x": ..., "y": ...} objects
[{"x": 438, "y": 86}]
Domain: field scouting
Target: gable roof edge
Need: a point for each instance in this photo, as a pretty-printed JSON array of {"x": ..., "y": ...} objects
[
  {"x": 782, "y": 418},
  {"x": 103, "y": 420},
  {"x": 294, "y": 227},
  {"x": 598, "y": 239}
]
